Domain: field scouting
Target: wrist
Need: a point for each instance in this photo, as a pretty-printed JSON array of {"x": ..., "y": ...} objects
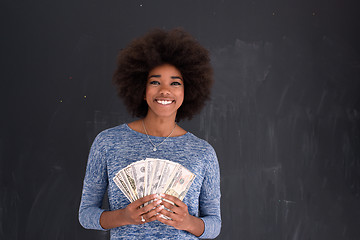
[
  {"x": 112, "y": 219},
  {"x": 120, "y": 219},
  {"x": 196, "y": 226}
]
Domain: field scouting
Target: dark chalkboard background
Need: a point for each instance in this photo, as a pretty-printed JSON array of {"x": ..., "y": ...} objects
[{"x": 284, "y": 116}]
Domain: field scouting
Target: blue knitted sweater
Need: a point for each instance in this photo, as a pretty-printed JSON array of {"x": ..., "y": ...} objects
[{"x": 115, "y": 148}]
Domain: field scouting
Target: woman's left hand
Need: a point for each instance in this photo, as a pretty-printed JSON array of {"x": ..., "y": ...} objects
[{"x": 179, "y": 215}]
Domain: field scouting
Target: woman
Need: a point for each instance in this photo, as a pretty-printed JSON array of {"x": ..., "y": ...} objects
[{"x": 163, "y": 77}]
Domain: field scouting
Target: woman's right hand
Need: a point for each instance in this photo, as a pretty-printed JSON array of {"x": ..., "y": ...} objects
[{"x": 134, "y": 213}]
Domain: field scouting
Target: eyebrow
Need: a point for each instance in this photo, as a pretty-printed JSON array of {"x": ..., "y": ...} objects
[{"x": 172, "y": 77}]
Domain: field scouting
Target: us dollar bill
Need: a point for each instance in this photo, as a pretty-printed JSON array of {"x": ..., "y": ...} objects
[
  {"x": 130, "y": 178},
  {"x": 149, "y": 166},
  {"x": 168, "y": 171},
  {"x": 127, "y": 184},
  {"x": 157, "y": 173},
  {"x": 153, "y": 175},
  {"x": 180, "y": 183},
  {"x": 138, "y": 169},
  {"x": 121, "y": 184}
]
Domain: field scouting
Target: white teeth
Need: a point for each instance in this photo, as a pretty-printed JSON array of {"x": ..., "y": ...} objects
[{"x": 164, "y": 102}]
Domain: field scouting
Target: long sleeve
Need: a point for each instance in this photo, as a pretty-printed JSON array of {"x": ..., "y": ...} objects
[
  {"x": 209, "y": 204},
  {"x": 95, "y": 185}
]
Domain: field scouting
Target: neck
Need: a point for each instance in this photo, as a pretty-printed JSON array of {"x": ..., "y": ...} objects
[{"x": 160, "y": 127}]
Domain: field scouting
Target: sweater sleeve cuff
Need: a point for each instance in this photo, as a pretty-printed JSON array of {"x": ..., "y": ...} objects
[
  {"x": 91, "y": 220},
  {"x": 209, "y": 228},
  {"x": 98, "y": 220}
]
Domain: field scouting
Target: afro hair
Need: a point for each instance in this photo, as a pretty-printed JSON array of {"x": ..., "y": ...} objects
[{"x": 175, "y": 47}]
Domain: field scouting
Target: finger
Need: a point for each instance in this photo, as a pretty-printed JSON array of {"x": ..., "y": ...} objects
[
  {"x": 153, "y": 218},
  {"x": 174, "y": 216},
  {"x": 142, "y": 220},
  {"x": 151, "y": 215},
  {"x": 163, "y": 220},
  {"x": 170, "y": 206},
  {"x": 145, "y": 199},
  {"x": 175, "y": 208},
  {"x": 145, "y": 219},
  {"x": 160, "y": 218},
  {"x": 173, "y": 199},
  {"x": 150, "y": 206}
]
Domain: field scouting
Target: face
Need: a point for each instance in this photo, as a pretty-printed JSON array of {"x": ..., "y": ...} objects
[{"x": 164, "y": 91}]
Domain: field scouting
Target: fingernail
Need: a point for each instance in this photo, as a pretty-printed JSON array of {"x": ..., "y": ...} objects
[{"x": 159, "y": 201}]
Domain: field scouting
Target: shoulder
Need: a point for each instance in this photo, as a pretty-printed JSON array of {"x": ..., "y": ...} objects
[
  {"x": 195, "y": 143},
  {"x": 114, "y": 131},
  {"x": 198, "y": 141},
  {"x": 111, "y": 136}
]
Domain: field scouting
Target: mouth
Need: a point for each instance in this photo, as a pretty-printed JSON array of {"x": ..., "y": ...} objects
[{"x": 164, "y": 102}]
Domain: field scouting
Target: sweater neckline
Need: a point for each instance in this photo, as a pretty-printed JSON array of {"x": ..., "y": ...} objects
[{"x": 155, "y": 137}]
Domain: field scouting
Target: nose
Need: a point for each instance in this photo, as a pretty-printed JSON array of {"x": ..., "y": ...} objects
[{"x": 164, "y": 90}]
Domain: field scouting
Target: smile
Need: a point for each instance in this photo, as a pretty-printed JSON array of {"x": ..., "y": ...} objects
[{"x": 164, "y": 102}]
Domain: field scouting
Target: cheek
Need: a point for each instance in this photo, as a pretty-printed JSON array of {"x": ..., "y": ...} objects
[
  {"x": 182, "y": 93},
  {"x": 181, "y": 96},
  {"x": 147, "y": 93}
]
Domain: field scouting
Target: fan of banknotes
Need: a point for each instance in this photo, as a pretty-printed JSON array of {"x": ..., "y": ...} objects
[{"x": 151, "y": 175}]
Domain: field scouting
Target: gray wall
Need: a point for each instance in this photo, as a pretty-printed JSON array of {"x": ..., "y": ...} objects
[{"x": 284, "y": 116}]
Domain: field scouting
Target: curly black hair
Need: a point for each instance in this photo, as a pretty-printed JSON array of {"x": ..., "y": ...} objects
[{"x": 175, "y": 47}]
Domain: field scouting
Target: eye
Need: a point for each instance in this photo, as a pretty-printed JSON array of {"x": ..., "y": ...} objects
[
  {"x": 154, "y": 83},
  {"x": 176, "y": 83}
]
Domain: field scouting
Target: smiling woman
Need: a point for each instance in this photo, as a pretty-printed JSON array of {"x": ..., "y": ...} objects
[{"x": 163, "y": 77}]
